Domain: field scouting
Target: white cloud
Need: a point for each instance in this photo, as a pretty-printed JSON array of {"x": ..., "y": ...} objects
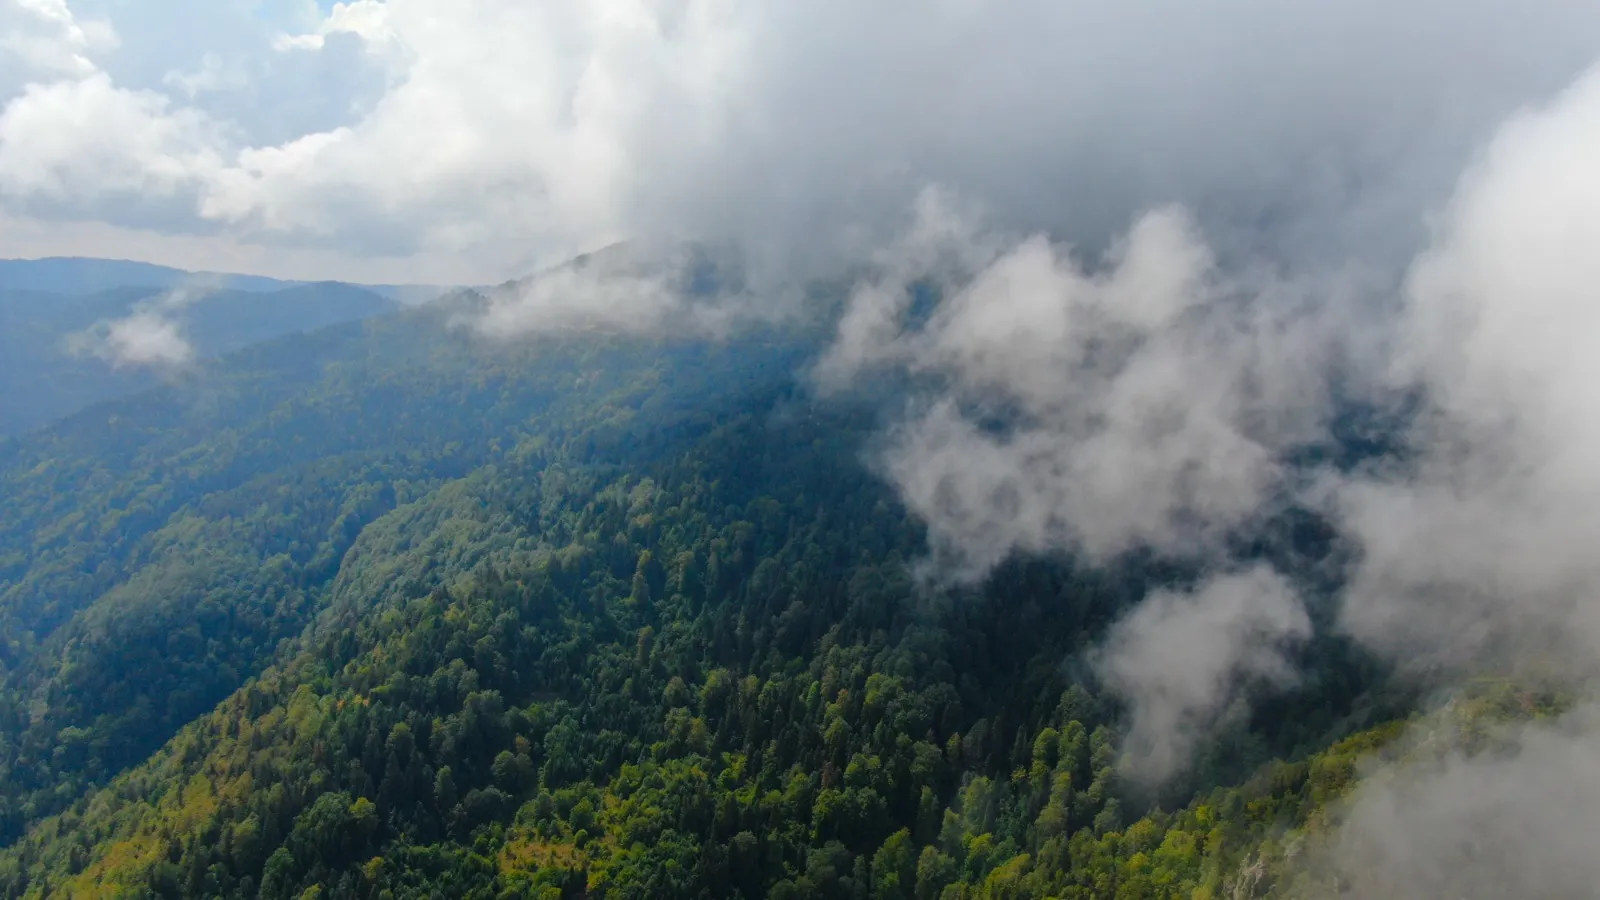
[
  {"x": 1482, "y": 551},
  {"x": 145, "y": 339},
  {"x": 624, "y": 289},
  {"x": 1509, "y": 814},
  {"x": 41, "y": 39},
  {"x": 151, "y": 335},
  {"x": 79, "y": 145},
  {"x": 1145, "y": 404},
  {"x": 506, "y": 128},
  {"x": 1185, "y": 662},
  {"x": 504, "y": 133},
  {"x": 1145, "y": 399}
]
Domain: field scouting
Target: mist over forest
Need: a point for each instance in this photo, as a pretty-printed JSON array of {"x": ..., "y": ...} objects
[{"x": 706, "y": 449}]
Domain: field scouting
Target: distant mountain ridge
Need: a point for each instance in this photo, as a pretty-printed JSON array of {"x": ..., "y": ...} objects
[
  {"x": 46, "y": 373},
  {"x": 77, "y": 276}
]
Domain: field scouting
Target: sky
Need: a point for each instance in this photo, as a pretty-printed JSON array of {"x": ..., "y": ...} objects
[{"x": 464, "y": 142}]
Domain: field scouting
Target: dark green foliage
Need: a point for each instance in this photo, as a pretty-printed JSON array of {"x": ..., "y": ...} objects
[
  {"x": 156, "y": 554},
  {"x": 380, "y": 613}
]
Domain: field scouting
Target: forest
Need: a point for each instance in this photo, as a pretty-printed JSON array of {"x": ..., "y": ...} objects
[
  {"x": 52, "y": 332},
  {"x": 383, "y": 611}
]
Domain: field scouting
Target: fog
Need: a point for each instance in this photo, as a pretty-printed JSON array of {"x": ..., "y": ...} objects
[{"x": 490, "y": 139}]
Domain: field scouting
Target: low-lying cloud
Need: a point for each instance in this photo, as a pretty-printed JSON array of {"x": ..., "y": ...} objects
[
  {"x": 1515, "y": 819},
  {"x": 1187, "y": 662},
  {"x": 1151, "y": 398},
  {"x": 143, "y": 339},
  {"x": 1478, "y": 553},
  {"x": 683, "y": 290},
  {"x": 1485, "y": 543},
  {"x": 152, "y": 335},
  {"x": 1144, "y": 403}
]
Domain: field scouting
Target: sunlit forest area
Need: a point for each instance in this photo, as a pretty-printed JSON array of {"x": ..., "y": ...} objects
[{"x": 379, "y": 612}]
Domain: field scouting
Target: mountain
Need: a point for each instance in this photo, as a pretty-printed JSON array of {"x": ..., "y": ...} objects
[
  {"x": 76, "y": 276},
  {"x": 388, "y": 610},
  {"x": 47, "y": 372},
  {"x": 79, "y": 275}
]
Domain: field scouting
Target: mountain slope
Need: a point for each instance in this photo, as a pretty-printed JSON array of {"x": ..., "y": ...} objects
[
  {"x": 44, "y": 376},
  {"x": 583, "y": 616},
  {"x": 159, "y": 549}
]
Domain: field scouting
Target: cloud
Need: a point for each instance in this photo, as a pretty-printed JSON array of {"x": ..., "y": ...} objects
[
  {"x": 1477, "y": 545},
  {"x": 368, "y": 19},
  {"x": 1151, "y": 396},
  {"x": 1145, "y": 399},
  {"x": 1513, "y": 818},
  {"x": 1143, "y": 403},
  {"x": 1186, "y": 661},
  {"x": 152, "y": 335},
  {"x": 92, "y": 146},
  {"x": 144, "y": 339},
  {"x": 626, "y": 288},
  {"x": 1481, "y": 550},
  {"x": 41, "y": 39},
  {"x": 506, "y": 134}
]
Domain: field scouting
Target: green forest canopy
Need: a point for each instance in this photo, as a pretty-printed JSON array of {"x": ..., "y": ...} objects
[{"x": 379, "y": 611}]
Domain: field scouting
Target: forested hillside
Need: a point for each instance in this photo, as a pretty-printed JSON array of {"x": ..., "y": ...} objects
[
  {"x": 52, "y": 363},
  {"x": 1026, "y": 451},
  {"x": 157, "y": 551},
  {"x": 391, "y": 611}
]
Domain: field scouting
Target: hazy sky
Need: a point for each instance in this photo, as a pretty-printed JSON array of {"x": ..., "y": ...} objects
[{"x": 476, "y": 139}]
